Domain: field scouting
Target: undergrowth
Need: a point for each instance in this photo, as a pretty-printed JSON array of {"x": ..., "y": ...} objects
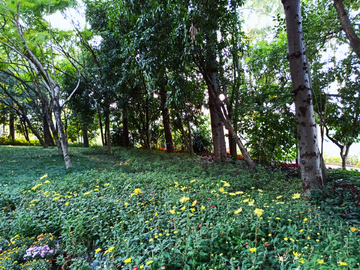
[{"x": 142, "y": 209}]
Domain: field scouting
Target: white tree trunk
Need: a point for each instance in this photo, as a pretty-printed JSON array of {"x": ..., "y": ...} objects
[
  {"x": 311, "y": 174},
  {"x": 59, "y": 123}
]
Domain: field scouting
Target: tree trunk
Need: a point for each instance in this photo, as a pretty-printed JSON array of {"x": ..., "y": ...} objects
[
  {"x": 63, "y": 139},
  {"x": 147, "y": 124},
  {"x": 126, "y": 128},
  {"x": 217, "y": 126},
  {"x": 347, "y": 26},
  {"x": 47, "y": 134},
  {"x": 12, "y": 125},
  {"x": 34, "y": 131},
  {"x": 191, "y": 148},
  {"x": 232, "y": 146},
  {"x": 85, "y": 135},
  {"x": 107, "y": 128},
  {"x": 101, "y": 127},
  {"x": 24, "y": 126},
  {"x": 183, "y": 133},
  {"x": 311, "y": 174},
  {"x": 166, "y": 122},
  {"x": 54, "y": 131},
  {"x": 344, "y": 155}
]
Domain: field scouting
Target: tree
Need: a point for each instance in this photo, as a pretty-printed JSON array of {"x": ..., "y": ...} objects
[
  {"x": 17, "y": 35},
  {"x": 347, "y": 26},
  {"x": 310, "y": 159}
]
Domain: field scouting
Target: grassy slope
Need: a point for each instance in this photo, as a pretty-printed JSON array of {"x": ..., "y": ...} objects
[{"x": 91, "y": 207}]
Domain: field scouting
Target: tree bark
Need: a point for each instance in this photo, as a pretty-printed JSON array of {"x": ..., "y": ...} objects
[
  {"x": 24, "y": 126},
  {"x": 166, "y": 121},
  {"x": 63, "y": 138},
  {"x": 311, "y": 174},
  {"x": 47, "y": 134},
  {"x": 54, "y": 131},
  {"x": 232, "y": 146},
  {"x": 191, "y": 148},
  {"x": 12, "y": 125},
  {"x": 101, "y": 127},
  {"x": 107, "y": 128},
  {"x": 217, "y": 125},
  {"x": 347, "y": 26},
  {"x": 34, "y": 131},
  {"x": 126, "y": 128},
  {"x": 147, "y": 124},
  {"x": 85, "y": 135}
]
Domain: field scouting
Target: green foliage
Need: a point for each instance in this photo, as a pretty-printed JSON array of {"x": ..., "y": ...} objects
[
  {"x": 267, "y": 119},
  {"x": 7, "y": 141},
  {"x": 201, "y": 143}
]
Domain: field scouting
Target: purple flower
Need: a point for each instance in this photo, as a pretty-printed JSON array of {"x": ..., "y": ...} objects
[{"x": 42, "y": 250}]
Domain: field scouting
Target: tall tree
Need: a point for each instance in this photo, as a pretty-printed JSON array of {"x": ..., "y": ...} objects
[
  {"x": 17, "y": 35},
  {"x": 310, "y": 159}
]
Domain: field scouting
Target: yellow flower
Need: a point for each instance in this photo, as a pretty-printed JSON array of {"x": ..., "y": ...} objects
[
  {"x": 34, "y": 201},
  {"x": 56, "y": 198},
  {"x": 308, "y": 238},
  {"x": 194, "y": 203},
  {"x": 110, "y": 249},
  {"x": 252, "y": 188},
  {"x": 302, "y": 261},
  {"x": 251, "y": 203},
  {"x": 106, "y": 185},
  {"x": 44, "y": 176},
  {"x": 87, "y": 193},
  {"x": 156, "y": 214},
  {"x": 301, "y": 230},
  {"x": 258, "y": 212},
  {"x": 221, "y": 189},
  {"x": 97, "y": 250},
  {"x": 47, "y": 193},
  {"x": 192, "y": 181},
  {"x": 202, "y": 207},
  {"x": 297, "y": 255},
  {"x": 36, "y": 186},
  {"x": 47, "y": 182},
  {"x": 342, "y": 263},
  {"x": 320, "y": 261},
  {"x": 141, "y": 266},
  {"x": 278, "y": 197},
  {"x": 96, "y": 189},
  {"x": 183, "y": 208},
  {"x": 239, "y": 192},
  {"x": 252, "y": 250},
  {"x": 175, "y": 232},
  {"x": 305, "y": 219},
  {"x": 246, "y": 200},
  {"x": 285, "y": 238},
  {"x": 296, "y": 196},
  {"x": 137, "y": 191},
  {"x": 126, "y": 203},
  {"x": 232, "y": 194},
  {"x": 184, "y": 199},
  {"x": 192, "y": 209},
  {"x": 277, "y": 218},
  {"x": 128, "y": 260},
  {"x": 149, "y": 262},
  {"x": 67, "y": 203},
  {"x": 172, "y": 212},
  {"x": 238, "y": 211},
  {"x": 353, "y": 229}
]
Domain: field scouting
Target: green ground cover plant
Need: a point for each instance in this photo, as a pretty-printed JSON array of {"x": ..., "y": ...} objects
[{"x": 142, "y": 209}]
